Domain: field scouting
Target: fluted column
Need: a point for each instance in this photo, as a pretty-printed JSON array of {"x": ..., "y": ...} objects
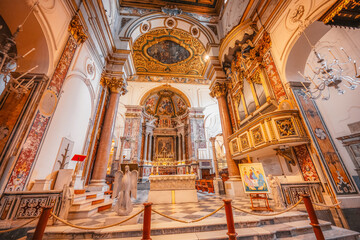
[
  {"x": 216, "y": 167},
  {"x": 117, "y": 88},
  {"x": 219, "y": 91},
  {"x": 145, "y": 147},
  {"x": 150, "y": 147}
]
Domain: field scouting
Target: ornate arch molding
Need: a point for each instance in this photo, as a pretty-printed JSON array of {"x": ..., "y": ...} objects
[
  {"x": 157, "y": 20},
  {"x": 164, "y": 87}
]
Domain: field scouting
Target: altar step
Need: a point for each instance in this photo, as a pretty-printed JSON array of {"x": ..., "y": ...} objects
[
  {"x": 86, "y": 204},
  {"x": 291, "y": 225}
]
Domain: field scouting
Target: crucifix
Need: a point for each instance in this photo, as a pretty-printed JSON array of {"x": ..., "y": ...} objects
[{"x": 64, "y": 156}]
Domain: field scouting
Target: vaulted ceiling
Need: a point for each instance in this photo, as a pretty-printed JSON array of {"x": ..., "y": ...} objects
[{"x": 211, "y": 7}]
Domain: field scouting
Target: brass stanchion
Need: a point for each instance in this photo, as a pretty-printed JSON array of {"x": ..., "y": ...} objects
[
  {"x": 147, "y": 222},
  {"x": 313, "y": 218},
  {"x": 230, "y": 220},
  {"x": 40, "y": 227}
]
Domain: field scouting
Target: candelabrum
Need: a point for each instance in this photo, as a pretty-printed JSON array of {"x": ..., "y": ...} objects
[
  {"x": 329, "y": 73},
  {"x": 8, "y": 63}
]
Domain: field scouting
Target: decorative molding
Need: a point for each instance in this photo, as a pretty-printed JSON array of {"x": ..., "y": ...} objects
[
  {"x": 77, "y": 30},
  {"x": 218, "y": 90}
]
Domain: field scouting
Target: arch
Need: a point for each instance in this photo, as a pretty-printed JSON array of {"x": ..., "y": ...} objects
[
  {"x": 164, "y": 87},
  {"x": 86, "y": 81},
  {"x": 132, "y": 31},
  {"x": 296, "y": 59}
]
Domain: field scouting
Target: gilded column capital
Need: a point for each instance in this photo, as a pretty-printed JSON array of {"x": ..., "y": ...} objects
[
  {"x": 77, "y": 30},
  {"x": 115, "y": 84},
  {"x": 218, "y": 90},
  {"x": 212, "y": 140}
]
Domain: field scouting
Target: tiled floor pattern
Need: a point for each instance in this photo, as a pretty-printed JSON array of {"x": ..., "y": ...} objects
[{"x": 185, "y": 211}]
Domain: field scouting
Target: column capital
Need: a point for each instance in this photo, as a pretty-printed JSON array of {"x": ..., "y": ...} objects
[
  {"x": 218, "y": 89},
  {"x": 115, "y": 84},
  {"x": 76, "y": 29}
]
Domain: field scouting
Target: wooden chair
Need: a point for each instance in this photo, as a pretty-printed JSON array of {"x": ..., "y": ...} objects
[
  {"x": 210, "y": 185},
  {"x": 204, "y": 186}
]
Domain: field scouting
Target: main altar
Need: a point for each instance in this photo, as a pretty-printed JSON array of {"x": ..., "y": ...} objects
[{"x": 172, "y": 188}]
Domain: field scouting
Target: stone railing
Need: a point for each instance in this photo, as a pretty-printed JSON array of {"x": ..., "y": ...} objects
[
  {"x": 292, "y": 191},
  {"x": 275, "y": 128},
  {"x": 26, "y": 204}
]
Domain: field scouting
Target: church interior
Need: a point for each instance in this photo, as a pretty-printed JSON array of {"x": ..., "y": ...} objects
[{"x": 209, "y": 119}]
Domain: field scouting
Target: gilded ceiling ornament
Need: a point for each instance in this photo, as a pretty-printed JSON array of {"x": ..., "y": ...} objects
[
  {"x": 77, "y": 30},
  {"x": 340, "y": 5},
  {"x": 218, "y": 90},
  {"x": 169, "y": 52},
  {"x": 171, "y": 10}
]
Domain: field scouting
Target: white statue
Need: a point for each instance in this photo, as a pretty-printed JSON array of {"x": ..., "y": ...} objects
[
  {"x": 276, "y": 191},
  {"x": 125, "y": 187}
]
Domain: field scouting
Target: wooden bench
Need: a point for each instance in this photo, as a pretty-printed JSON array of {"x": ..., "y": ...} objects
[
  {"x": 210, "y": 186},
  {"x": 204, "y": 186}
]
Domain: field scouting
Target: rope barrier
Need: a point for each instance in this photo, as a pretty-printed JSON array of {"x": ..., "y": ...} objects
[
  {"x": 269, "y": 214},
  {"x": 94, "y": 228},
  {"x": 192, "y": 221},
  {"x": 16, "y": 228},
  {"x": 327, "y": 206}
]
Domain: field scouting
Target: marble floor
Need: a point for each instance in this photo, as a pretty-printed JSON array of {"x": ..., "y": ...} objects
[{"x": 185, "y": 211}]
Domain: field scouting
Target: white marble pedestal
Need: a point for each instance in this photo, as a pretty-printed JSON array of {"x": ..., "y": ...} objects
[
  {"x": 172, "y": 189},
  {"x": 234, "y": 188},
  {"x": 41, "y": 185}
]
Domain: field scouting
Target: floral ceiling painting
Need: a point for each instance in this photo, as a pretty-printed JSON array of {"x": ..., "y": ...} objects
[
  {"x": 165, "y": 52},
  {"x": 165, "y": 102}
]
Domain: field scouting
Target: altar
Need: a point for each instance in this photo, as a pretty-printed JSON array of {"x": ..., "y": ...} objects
[{"x": 172, "y": 189}]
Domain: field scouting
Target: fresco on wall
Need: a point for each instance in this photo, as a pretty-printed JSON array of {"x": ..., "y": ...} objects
[
  {"x": 168, "y": 52},
  {"x": 332, "y": 161},
  {"x": 254, "y": 180},
  {"x": 150, "y": 104},
  {"x": 165, "y": 106},
  {"x": 180, "y": 105},
  {"x": 306, "y": 164}
]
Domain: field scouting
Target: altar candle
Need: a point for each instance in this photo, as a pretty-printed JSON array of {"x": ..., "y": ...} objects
[{"x": 248, "y": 157}]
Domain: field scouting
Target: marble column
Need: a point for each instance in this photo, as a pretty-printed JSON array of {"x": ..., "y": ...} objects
[
  {"x": 233, "y": 186},
  {"x": 123, "y": 139},
  {"x": 117, "y": 88},
  {"x": 143, "y": 144},
  {"x": 150, "y": 147},
  {"x": 183, "y": 147},
  {"x": 216, "y": 167}
]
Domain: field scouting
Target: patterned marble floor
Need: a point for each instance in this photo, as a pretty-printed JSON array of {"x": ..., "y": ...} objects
[{"x": 185, "y": 211}]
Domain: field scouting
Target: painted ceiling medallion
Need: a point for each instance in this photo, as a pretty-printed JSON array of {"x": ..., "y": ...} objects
[
  {"x": 173, "y": 52},
  {"x": 168, "y": 52}
]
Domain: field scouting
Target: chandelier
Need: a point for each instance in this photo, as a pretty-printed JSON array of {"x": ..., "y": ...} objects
[
  {"x": 329, "y": 73},
  {"x": 8, "y": 63}
]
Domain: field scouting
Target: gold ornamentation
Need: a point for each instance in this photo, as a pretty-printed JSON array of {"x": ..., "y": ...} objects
[
  {"x": 340, "y": 5},
  {"x": 297, "y": 13},
  {"x": 192, "y": 66},
  {"x": 261, "y": 48},
  {"x": 285, "y": 127},
  {"x": 257, "y": 135},
  {"x": 218, "y": 90},
  {"x": 256, "y": 78},
  {"x": 77, "y": 30},
  {"x": 116, "y": 85}
]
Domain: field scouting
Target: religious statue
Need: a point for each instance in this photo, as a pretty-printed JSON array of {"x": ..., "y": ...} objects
[
  {"x": 276, "y": 191},
  {"x": 125, "y": 187}
]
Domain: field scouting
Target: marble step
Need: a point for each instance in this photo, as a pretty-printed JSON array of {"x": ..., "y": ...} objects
[
  {"x": 87, "y": 196},
  {"x": 297, "y": 230},
  {"x": 83, "y": 204},
  {"x": 90, "y": 210}
]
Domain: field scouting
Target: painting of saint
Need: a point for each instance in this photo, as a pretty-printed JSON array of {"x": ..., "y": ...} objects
[
  {"x": 253, "y": 178},
  {"x": 168, "y": 52}
]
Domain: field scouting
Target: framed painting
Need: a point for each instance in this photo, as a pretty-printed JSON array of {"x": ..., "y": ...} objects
[{"x": 253, "y": 178}]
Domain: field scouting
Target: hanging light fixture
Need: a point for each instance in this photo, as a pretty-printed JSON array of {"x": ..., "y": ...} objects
[
  {"x": 328, "y": 74},
  {"x": 8, "y": 62}
]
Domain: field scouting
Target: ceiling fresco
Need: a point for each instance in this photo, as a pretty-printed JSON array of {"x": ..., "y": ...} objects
[
  {"x": 195, "y": 6},
  {"x": 165, "y": 102},
  {"x": 169, "y": 52}
]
